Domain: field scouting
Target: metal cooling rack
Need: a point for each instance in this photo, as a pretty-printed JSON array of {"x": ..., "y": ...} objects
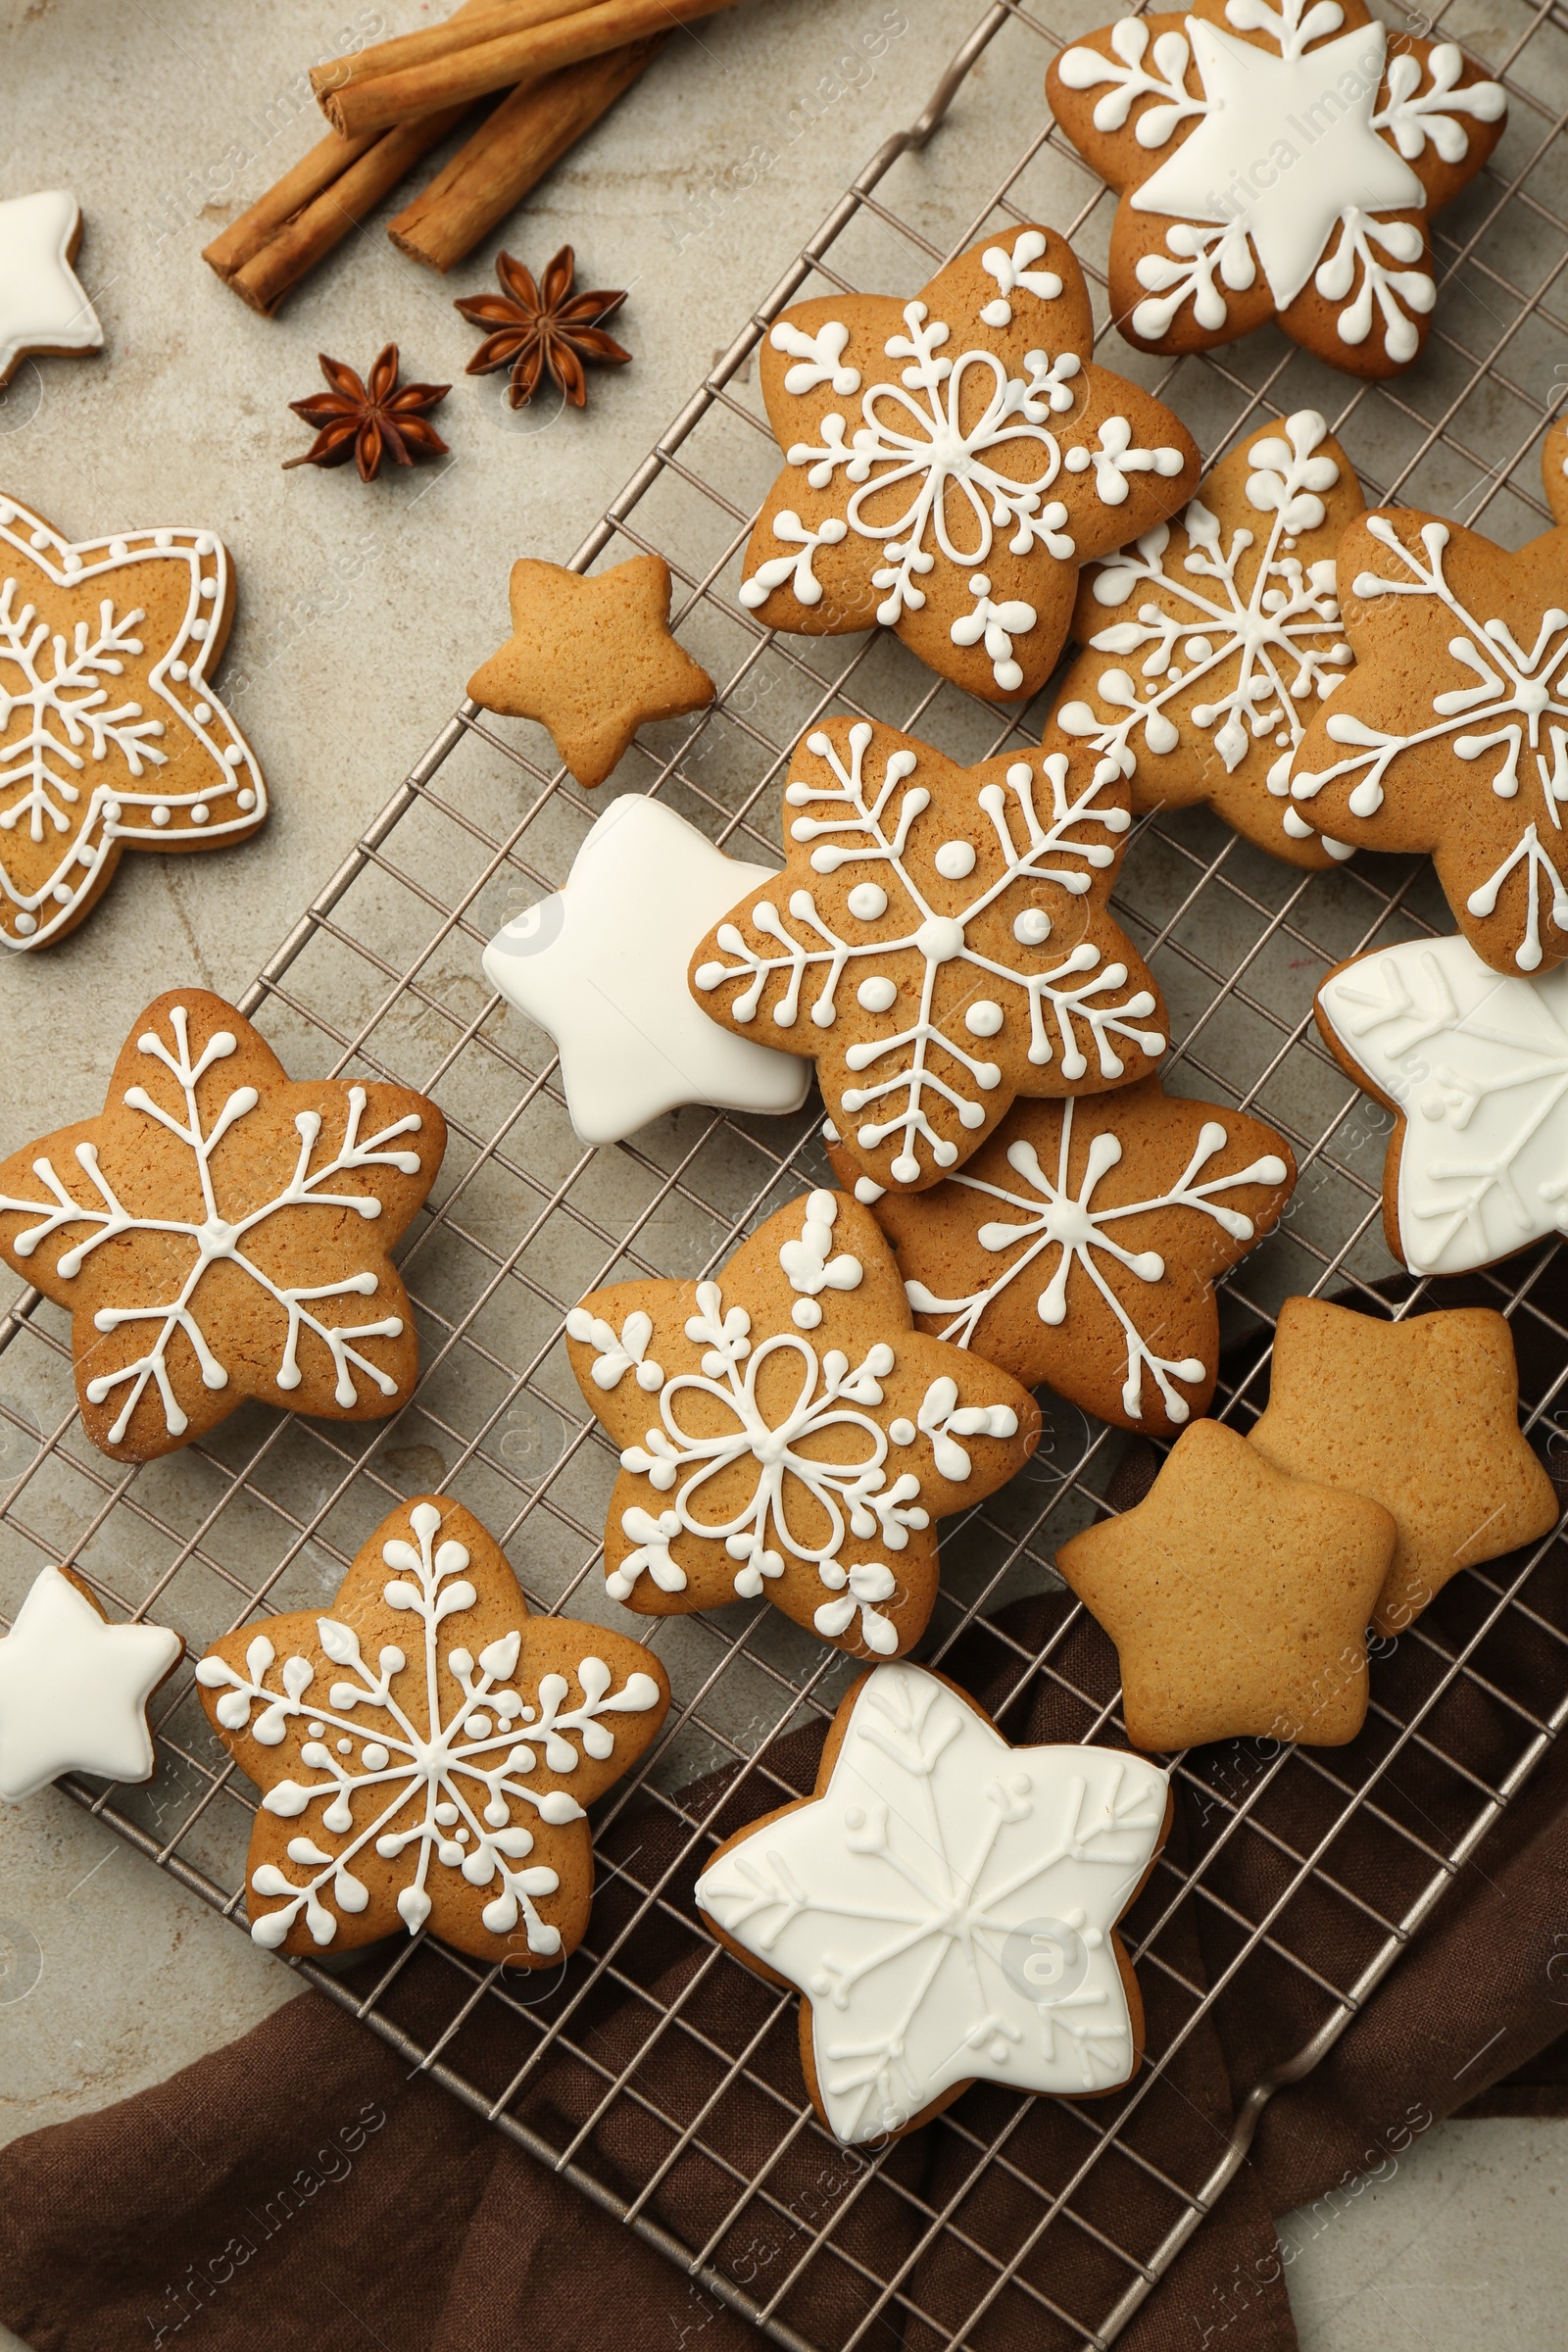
[{"x": 380, "y": 976}]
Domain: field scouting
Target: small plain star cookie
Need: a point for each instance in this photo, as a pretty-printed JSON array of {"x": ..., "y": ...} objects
[
  {"x": 946, "y": 1905},
  {"x": 592, "y": 659},
  {"x": 1424, "y": 1417},
  {"x": 1238, "y": 1599},
  {"x": 74, "y": 1689}
]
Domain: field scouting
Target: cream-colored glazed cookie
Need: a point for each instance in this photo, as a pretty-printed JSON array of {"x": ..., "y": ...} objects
[
  {"x": 427, "y": 1752},
  {"x": 950, "y": 460},
  {"x": 784, "y": 1430}
]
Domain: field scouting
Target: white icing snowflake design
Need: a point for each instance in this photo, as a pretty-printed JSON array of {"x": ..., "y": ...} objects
[
  {"x": 1477, "y": 1067},
  {"x": 407, "y": 1773},
  {"x": 1265, "y": 648},
  {"x": 1295, "y": 153},
  {"x": 1513, "y": 704},
  {"x": 947, "y": 1906},
  {"x": 214, "y": 1239},
  {"x": 1074, "y": 1012},
  {"x": 82, "y": 758},
  {"x": 1051, "y": 1217}
]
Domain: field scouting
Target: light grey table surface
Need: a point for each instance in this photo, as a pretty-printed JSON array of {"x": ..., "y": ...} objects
[{"x": 360, "y": 613}]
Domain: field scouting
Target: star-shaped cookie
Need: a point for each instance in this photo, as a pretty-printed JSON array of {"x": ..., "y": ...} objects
[
  {"x": 427, "y": 1753},
  {"x": 937, "y": 943},
  {"x": 783, "y": 1429},
  {"x": 1451, "y": 732},
  {"x": 1238, "y": 1599},
  {"x": 591, "y": 658},
  {"x": 952, "y": 460},
  {"x": 221, "y": 1232},
  {"x": 73, "y": 1688},
  {"x": 111, "y": 736},
  {"x": 1209, "y": 641},
  {"x": 1081, "y": 1245},
  {"x": 43, "y": 305},
  {"x": 602, "y": 966},
  {"x": 1424, "y": 1417},
  {"x": 1275, "y": 162},
  {"x": 946, "y": 1905},
  {"x": 1481, "y": 1061}
]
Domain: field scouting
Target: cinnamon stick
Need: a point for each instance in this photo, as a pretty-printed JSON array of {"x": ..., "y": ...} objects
[
  {"x": 486, "y": 23},
  {"x": 468, "y": 74},
  {"x": 315, "y": 173},
  {"x": 297, "y": 247},
  {"x": 510, "y": 152}
]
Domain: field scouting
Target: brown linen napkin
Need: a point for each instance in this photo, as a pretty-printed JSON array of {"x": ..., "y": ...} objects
[{"x": 307, "y": 2186}]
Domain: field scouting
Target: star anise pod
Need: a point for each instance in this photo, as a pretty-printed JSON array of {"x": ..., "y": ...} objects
[
  {"x": 369, "y": 421},
  {"x": 539, "y": 331}
]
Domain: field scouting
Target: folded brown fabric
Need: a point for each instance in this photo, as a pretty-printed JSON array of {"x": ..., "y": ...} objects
[{"x": 309, "y": 2182}]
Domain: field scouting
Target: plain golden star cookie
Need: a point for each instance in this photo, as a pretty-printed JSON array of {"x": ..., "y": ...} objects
[
  {"x": 1238, "y": 1599},
  {"x": 591, "y": 658},
  {"x": 1424, "y": 1417},
  {"x": 429, "y": 1751},
  {"x": 221, "y": 1231},
  {"x": 784, "y": 1430}
]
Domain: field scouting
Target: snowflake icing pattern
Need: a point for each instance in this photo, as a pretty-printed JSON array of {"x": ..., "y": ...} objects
[
  {"x": 1255, "y": 185},
  {"x": 434, "y": 1758},
  {"x": 110, "y": 734},
  {"x": 1506, "y": 695},
  {"x": 1478, "y": 1067},
  {"x": 957, "y": 887},
  {"x": 1234, "y": 638},
  {"x": 176, "y": 1339},
  {"x": 947, "y": 1906},
  {"x": 994, "y": 452}
]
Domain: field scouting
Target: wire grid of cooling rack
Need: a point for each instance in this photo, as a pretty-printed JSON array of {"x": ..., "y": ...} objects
[{"x": 380, "y": 976}]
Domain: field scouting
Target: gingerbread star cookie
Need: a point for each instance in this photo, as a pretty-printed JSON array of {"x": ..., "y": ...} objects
[
  {"x": 946, "y": 1906},
  {"x": 221, "y": 1231},
  {"x": 1424, "y": 1417},
  {"x": 591, "y": 658},
  {"x": 1275, "y": 162},
  {"x": 784, "y": 1430},
  {"x": 938, "y": 943},
  {"x": 952, "y": 460},
  {"x": 74, "y": 1689},
  {"x": 44, "y": 303},
  {"x": 1081, "y": 1245},
  {"x": 1211, "y": 641},
  {"x": 1451, "y": 732},
  {"x": 1238, "y": 1599},
  {"x": 111, "y": 735},
  {"x": 429, "y": 1751},
  {"x": 1482, "y": 1061}
]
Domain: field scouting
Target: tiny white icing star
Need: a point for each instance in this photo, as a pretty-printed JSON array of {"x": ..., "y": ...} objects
[
  {"x": 602, "y": 966},
  {"x": 43, "y": 305},
  {"x": 74, "y": 1691}
]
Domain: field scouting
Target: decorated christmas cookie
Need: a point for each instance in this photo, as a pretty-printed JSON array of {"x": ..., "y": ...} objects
[
  {"x": 946, "y": 1905},
  {"x": 1474, "y": 1069},
  {"x": 1452, "y": 734},
  {"x": 1081, "y": 1243},
  {"x": 111, "y": 736},
  {"x": 952, "y": 461},
  {"x": 1424, "y": 1417},
  {"x": 221, "y": 1232},
  {"x": 427, "y": 1753},
  {"x": 75, "y": 1687},
  {"x": 1211, "y": 641},
  {"x": 1238, "y": 1599},
  {"x": 592, "y": 659},
  {"x": 938, "y": 943},
  {"x": 43, "y": 305},
  {"x": 784, "y": 1430},
  {"x": 602, "y": 966},
  {"x": 1275, "y": 162}
]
